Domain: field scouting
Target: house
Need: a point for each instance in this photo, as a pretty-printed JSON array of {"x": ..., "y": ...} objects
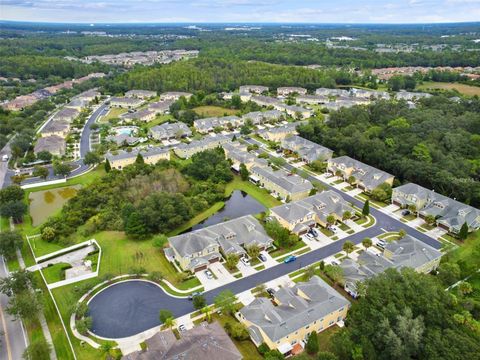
[
  {"x": 307, "y": 150},
  {"x": 161, "y": 107},
  {"x": 366, "y": 177},
  {"x": 285, "y": 91},
  {"x": 411, "y": 96},
  {"x": 238, "y": 153},
  {"x": 331, "y": 92},
  {"x": 195, "y": 250},
  {"x": 124, "y": 158},
  {"x": 368, "y": 94},
  {"x": 141, "y": 94},
  {"x": 299, "y": 216},
  {"x": 253, "y": 89},
  {"x": 281, "y": 183},
  {"x": 306, "y": 307},
  {"x": 450, "y": 214},
  {"x": 312, "y": 99},
  {"x": 185, "y": 151},
  {"x": 141, "y": 115},
  {"x": 207, "y": 125},
  {"x": 407, "y": 252},
  {"x": 168, "y": 130},
  {"x": 294, "y": 111},
  {"x": 53, "y": 144},
  {"x": 127, "y": 103},
  {"x": 58, "y": 128},
  {"x": 277, "y": 134},
  {"x": 175, "y": 95},
  {"x": 66, "y": 114},
  {"x": 265, "y": 100},
  {"x": 78, "y": 104},
  {"x": 204, "y": 341},
  {"x": 89, "y": 95},
  {"x": 123, "y": 139},
  {"x": 259, "y": 117}
]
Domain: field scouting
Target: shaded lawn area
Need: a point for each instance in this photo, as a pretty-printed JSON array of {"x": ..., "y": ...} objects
[
  {"x": 55, "y": 272},
  {"x": 325, "y": 338},
  {"x": 281, "y": 251},
  {"x": 466, "y": 247},
  {"x": 210, "y": 111},
  {"x": 261, "y": 195}
]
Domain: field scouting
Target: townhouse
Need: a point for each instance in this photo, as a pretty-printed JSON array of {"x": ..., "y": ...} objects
[
  {"x": 123, "y": 139},
  {"x": 285, "y": 91},
  {"x": 312, "y": 99},
  {"x": 285, "y": 323},
  {"x": 144, "y": 115},
  {"x": 294, "y": 110},
  {"x": 281, "y": 183},
  {"x": 175, "y": 95},
  {"x": 141, "y": 94},
  {"x": 126, "y": 103},
  {"x": 331, "y": 92},
  {"x": 196, "y": 250},
  {"x": 265, "y": 100},
  {"x": 367, "y": 94},
  {"x": 279, "y": 133},
  {"x": 259, "y": 117},
  {"x": 89, "y": 95},
  {"x": 78, "y": 104},
  {"x": 408, "y": 252},
  {"x": 238, "y": 154},
  {"x": 411, "y": 96},
  {"x": 450, "y": 214},
  {"x": 185, "y": 151},
  {"x": 58, "y": 128},
  {"x": 66, "y": 114},
  {"x": 124, "y": 158},
  {"x": 299, "y": 216},
  {"x": 207, "y": 125},
  {"x": 365, "y": 177},
  {"x": 168, "y": 131},
  {"x": 54, "y": 144},
  {"x": 161, "y": 107},
  {"x": 307, "y": 150},
  {"x": 253, "y": 89}
]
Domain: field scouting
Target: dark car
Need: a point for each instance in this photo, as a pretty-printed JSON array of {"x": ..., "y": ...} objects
[
  {"x": 192, "y": 295},
  {"x": 270, "y": 292},
  {"x": 405, "y": 212}
]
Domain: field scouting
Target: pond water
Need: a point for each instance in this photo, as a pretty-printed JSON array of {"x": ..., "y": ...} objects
[
  {"x": 45, "y": 203},
  {"x": 239, "y": 204}
]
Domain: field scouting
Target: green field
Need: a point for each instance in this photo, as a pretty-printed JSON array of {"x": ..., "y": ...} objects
[
  {"x": 461, "y": 88},
  {"x": 113, "y": 113},
  {"x": 211, "y": 111}
]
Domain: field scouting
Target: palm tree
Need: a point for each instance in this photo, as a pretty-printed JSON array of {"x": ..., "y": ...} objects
[
  {"x": 348, "y": 247},
  {"x": 367, "y": 242},
  {"x": 330, "y": 219},
  {"x": 169, "y": 322},
  {"x": 106, "y": 348},
  {"x": 206, "y": 310}
]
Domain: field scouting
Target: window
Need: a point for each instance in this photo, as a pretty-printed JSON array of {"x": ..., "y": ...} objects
[{"x": 306, "y": 327}]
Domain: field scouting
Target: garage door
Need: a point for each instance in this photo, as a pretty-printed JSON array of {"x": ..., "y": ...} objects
[
  {"x": 200, "y": 268},
  {"x": 213, "y": 260},
  {"x": 443, "y": 226},
  {"x": 397, "y": 203}
]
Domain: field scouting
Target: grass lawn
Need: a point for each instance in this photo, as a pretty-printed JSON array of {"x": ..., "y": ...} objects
[
  {"x": 55, "y": 272},
  {"x": 113, "y": 113},
  {"x": 461, "y": 88},
  {"x": 261, "y": 195},
  {"x": 160, "y": 119},
  {"x": 279, "y": 252},
  {"x": 325, "y": 338},
  {"x": 210, "y": 111},
  {"x": 466, "y": 247}
]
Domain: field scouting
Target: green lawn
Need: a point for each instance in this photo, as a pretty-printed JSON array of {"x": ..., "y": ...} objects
[
  {"x": 113, "y": 113},
  {"x": 159, "y": 119},
  {"x": 325, "y": 338},
  {"x": 55, "y": 272},
  {"x": 261, "y": 195},
  {"x": 461, "y": 88},
  {"x": 211, "y": 111},
  {"x": 279, "y": 252}
]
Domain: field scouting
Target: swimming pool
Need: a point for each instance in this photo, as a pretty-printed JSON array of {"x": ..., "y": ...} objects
[{"x": 125, "y": 130}]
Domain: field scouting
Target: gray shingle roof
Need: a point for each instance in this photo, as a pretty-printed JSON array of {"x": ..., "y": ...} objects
[
  {"x": 294, "y": 310},
  {"x": 308, "y": 150},
  {"x": 291, "y": 183},
  {"x": 170, "y": 130}
]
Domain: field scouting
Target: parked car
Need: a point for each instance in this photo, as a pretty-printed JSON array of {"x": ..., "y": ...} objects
[
  {"x": 328, "y": 175},
  {"x": 208, "y": 274},
  {"x": 182, "y": 328},
  {"x": 262, "y": 257},
  {"x": 245, "y": 261},
  {"x": 333, "y": 229},
  {"x": 270, "y": 292},
  {"x": 290, "y": 259},
  {"x": 405, "y": 212},
  {"x": 314, "y": 232},
  {"x": 381, "y": 244},
  {"x": 335, "y": 263},
  {"x": 192, "y": 295},
  {"x": 310, "y": 235}
]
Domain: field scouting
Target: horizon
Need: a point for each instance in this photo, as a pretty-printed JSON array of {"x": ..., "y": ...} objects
[{"x": 242, "y": 11}]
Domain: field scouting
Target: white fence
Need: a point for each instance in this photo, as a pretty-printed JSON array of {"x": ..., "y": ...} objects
[{"x": 44, "y": 183}]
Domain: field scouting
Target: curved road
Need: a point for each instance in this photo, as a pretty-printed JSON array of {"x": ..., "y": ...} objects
[{"x": 127, "y": 309}]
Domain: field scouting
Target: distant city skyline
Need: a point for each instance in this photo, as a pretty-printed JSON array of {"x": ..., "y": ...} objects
[{"x": 241, "y": 11}]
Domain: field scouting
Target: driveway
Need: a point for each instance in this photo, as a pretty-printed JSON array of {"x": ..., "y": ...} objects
[
  {"x": 222, "y": 276},
  {"x": 245, "y": 270}
]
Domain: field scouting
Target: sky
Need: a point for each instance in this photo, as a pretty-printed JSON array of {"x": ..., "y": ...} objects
[{"x": 280, "y": 11}]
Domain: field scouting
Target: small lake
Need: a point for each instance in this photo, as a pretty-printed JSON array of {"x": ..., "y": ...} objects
[
  {"x": 45, "y": 203},
  {"x": 239, "y": 204}
]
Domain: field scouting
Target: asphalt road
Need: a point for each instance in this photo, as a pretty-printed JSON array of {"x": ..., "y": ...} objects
[
  {"x": 132, "y": 307},
  {"x": 12, "y": 336},
  {"x": 78, "y": 166}
]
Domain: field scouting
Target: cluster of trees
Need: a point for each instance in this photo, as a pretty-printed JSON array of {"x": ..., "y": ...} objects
[
  {"x": 435, "y": 145},
  {"x": 420, "y": 321},
  {"x": 281, "y": 236},
  {"x": 144, "y": 199},
  {"x": 12, "y": 204}
]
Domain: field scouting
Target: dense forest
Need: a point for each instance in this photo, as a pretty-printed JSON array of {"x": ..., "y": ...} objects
[
  {"x": 436, "y": 145},
  {"x": 144, "y": 199}
]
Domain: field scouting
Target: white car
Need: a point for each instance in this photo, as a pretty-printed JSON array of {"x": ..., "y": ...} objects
[
  {"x": 334, "y": 229},
  {"x": 245, "y": 261},
  {"x": 182, "y": 328},
  {"x": 208, "y": 274}
]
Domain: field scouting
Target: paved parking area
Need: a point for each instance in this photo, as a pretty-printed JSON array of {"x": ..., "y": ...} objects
[
  {"x": 222, "y": 274},
  {"x": 245, "y": 270},
  {"x": 270, "y": 261}
]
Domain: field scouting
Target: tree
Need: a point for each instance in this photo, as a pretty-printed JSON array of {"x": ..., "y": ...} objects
[
  {"x": 430, "y": 219},
  {"x": 366, "y": 208},
  {"x": 108, "y": 167},
  {"x": 462, "y": 235},
  {"x": 244, "y": 173},
  {"x": 206, "y": 311},
  {"x": 231, "y": 261},
  {"x": 334, "y": 272},
  {"x": 13, "y": 209},
  {"x": 325, "y": 355},
  {"x": 10, "y": 242},
  {"x": 44, "y": 156},
  {"x": 41, "y": 172},
  {"x": 18, "y": 282},
  {"x": 382, "y": 193},
  {"x": 367, "y": 242},
  {"x": 135, "y": 226},
  {"x": 48, "y": 233},
  {"x": 331, "y": 219},
  {"x": 347, "y": 215},
  {"x": 309, "y": 272},
  {"x": 351, "y": 180},
  {"x": 139, "y": 159},
  {"x": 348, "y": 247},
  {"x": 164, "y": 314},
  {"x": 83, "y": 325},
  {"x": 106, "y": 348},
  {"x": 465, "y": 288},
  {"x": 169, "y": 322},
  {"x": 253, "y": 251},
  {"x": 160, "y": 241},
  {"x": 24, "y": 305},
  {"x": 312, "y": 346},
  {"x": 199, "y": 302},
  {"x": 237, "y": 330},
  {"x": 62, "y": 169},
  {"x": 402, "y": 233},
  {"x": 226, "y": 301},
  {"x": 91, "y": 158},
  {"x": 38, "y": 350},
  {"x": 449, "y": 273},
  {"x": 11, "y": 193}
]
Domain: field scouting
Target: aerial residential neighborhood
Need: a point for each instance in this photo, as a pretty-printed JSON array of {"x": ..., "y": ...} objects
[{"x": 211, "y": 181}]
